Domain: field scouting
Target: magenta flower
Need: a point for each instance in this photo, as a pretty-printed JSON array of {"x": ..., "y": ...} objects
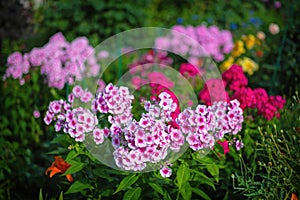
[
  {"x": 188, "y": 69},
  {"x": 239, "y": 144},
  {"x": 36, "y": 114},
  {"x": 225, "y": 146},
  {"x": 165, "y": 172}
]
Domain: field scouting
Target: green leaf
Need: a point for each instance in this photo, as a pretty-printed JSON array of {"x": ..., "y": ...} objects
[
  {"x": 78, "y": 187},
  {"x": 213, "y": 169},
  {"x": 61, "y": 196},
  {"x": 157, "y": 188},
  {"x": 160, "y": 190},
  {"x": 183, "y": 175},
  {"x": 59, "y": 138},
  {"x": 203, "y": 179},
  {"x": 41, "y": 195},
  {"x": 72, "y": 154},
  {"x": 186, "y": 191},
  {"x": 127, "y": 182},
  {"x": 100, "y": 172},
  {"x": 75, "y": 167},
  {"x": 201, "y": 193},
  {"x": 133, "y": 194},
  {"x": 54, "y": 93}
]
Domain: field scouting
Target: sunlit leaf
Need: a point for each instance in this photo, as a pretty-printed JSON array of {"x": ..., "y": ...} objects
[
  {"x": 133, "y": 194},
  {"x": 78, "y": 186},
  {"x": 127, "y": 182}
]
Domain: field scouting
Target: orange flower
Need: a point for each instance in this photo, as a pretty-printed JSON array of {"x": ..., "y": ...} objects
[
  {"x": 294, "y": 197},
  {"x": 59, "y": 166}
]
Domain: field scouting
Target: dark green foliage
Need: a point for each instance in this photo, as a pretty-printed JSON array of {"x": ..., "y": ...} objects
[
  {"x": 96, "y": 19},
  {"x": 15, "y": 23},
  {"x": 23, "y": 142}
]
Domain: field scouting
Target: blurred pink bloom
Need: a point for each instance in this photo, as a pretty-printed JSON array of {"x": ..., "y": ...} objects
[
  {"x": 36, "y": 114},
  {"x": 188, "y": 69},
  {"x": 160, "y": 78},
  {"x": 277, "y": 4},
  {"x": 274, "y": 29}
]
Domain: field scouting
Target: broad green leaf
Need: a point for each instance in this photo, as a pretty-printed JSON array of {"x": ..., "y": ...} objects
[
  {"x": 41, "y": 195},
  {"x": 100, "y": 172},
  {"x": 183, "y": 175},
  {"x": 78, "y": 186},
  {"x": 59, "y": 138},
  {"x": 167, "y": 196},
  {"x": 201, "y": 193},
  {"x": 58, "y": 151},
  {"x": 61, "y": 196},
  {"x": 213, "y": 169},
  {"x": 88, "y": 154},
  {"x": 157, "y": 188},
  {"x": 127, "y": 182},
  {"x": 133, "y": 194},
  {"x": 75, "y": 167},
  {"x": 72, "y": 154},
  {"x": 204, "y": 179},
  {"x": 186, "y": 191}
]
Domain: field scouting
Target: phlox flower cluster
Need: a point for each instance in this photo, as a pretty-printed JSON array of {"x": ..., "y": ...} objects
[
  {"x": 161, "y": 129},
  {"x": 60, "y": 61},
  {"x": 140, "y": 68},
  {"x": 144, "y": 141},
  {"x": 236, "y": 83},
  {"x": 207, "y": 124},
  {"x": 115, "y": 101},
  {"x": 75, "y": 122},
  {"x": 156, "y": 90},
  {"x": 152, "y": 57},
  {"x": 214, "y": 42}
]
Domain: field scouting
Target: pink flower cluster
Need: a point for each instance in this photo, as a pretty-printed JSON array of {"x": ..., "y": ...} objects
[
  {"x": 213, "y": 91},
  {"x": 137, "y": 143},
  {"x": 207, "y": 124},
  {"x": 75, "y": 122},
  {"x": 214, "y": 42},
  {"x": 156, "y": 91},
  {"x": 152, "y": 57},
  {"x": 161, "y": 128},
  {"x": 141, "y": 69},
  {"x": 235, "y": 81},
  {"x": 60, "y": 61},
  {"x": 116, "y": 101}
]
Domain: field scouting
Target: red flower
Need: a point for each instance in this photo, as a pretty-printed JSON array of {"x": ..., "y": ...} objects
[
  {"x": 59, "y": 166},
  {"x": 225, "y": 146}
]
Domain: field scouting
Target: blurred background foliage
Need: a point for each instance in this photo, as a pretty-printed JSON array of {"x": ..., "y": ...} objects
[{"x": 27, "y": 24}]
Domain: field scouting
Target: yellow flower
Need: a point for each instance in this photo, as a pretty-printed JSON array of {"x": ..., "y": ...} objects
[
  {"x": 238, "y": 48},
  {"x": 249, "y": 41},
  {"x": 248, "y": 65},
  {"x": 227, "y": 64}
]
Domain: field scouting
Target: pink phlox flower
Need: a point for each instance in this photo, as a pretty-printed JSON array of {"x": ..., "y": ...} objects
[{"x": 165, "y": 172}]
